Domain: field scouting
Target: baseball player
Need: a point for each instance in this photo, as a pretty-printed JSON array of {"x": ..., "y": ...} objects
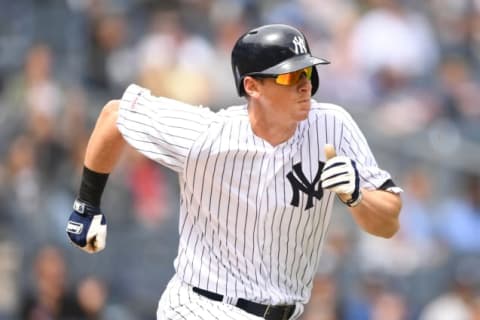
[{"x": 257, "y": 182}]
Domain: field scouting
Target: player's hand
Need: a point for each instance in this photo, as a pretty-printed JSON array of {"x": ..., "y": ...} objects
[
  {"x": 340, "y": 175},
  {"x": 87, "y": 227}
]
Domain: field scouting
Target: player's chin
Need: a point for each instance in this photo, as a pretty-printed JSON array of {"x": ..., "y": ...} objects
[
  {"x": 303, "y": 109},
  {"x": 301, "y": 115}
]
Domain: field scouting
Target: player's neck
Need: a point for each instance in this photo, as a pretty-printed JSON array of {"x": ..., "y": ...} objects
[{"x": 271, "y": 127}]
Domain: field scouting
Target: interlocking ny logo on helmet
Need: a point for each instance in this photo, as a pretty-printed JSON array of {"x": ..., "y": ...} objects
[
  {"x": 272, "y": 50},
  {"x": 299, "y": 45}
]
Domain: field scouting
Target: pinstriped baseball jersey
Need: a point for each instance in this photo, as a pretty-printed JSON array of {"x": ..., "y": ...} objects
[{"x": 253, "y": 216}]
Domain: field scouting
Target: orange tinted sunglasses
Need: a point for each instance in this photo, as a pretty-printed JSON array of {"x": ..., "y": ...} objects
[{"x": 291, "y": 78}]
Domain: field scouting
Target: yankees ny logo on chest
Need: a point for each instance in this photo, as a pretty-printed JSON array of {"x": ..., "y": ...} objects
[
  {"x": 300, "y": 183},
  {"x": 299, "y": 45}
]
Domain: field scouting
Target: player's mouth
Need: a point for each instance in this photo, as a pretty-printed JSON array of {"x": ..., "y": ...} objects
[{"x": 304, "y": 101}]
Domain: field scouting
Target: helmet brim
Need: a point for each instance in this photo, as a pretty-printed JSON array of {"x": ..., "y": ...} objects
[{"x": 293, "y": 64}]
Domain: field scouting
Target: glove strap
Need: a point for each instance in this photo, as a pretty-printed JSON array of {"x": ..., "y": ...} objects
[
  {"x": 84, "y": 208},
  {"x": 357, "y": 194},
  {"x": 354, "y": 202}
]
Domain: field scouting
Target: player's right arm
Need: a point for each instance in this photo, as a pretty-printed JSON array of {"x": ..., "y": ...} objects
[
  {"x": 106, "y": 142},
  {"x": 87, "y": 226},
  {"x": 162, "y": 129}
]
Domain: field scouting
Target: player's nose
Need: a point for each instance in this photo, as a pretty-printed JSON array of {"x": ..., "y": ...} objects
[{"x": 304, "y": 85}]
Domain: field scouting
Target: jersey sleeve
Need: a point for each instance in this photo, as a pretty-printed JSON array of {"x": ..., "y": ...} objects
[
  {"x": 162, "y": 129},
  {"x": 355, "y": 146}
]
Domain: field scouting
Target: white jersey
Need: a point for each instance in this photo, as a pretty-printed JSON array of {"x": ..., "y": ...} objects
[{"x": 253, "y": 216}]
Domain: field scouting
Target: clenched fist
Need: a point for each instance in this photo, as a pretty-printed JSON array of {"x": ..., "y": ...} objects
[
  {"x": 87, "y": 227},
  {"x": 340, "y": 175}
]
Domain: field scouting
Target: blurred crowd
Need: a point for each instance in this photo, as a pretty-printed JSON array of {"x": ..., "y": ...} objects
[{"x": 409, "y": 71}]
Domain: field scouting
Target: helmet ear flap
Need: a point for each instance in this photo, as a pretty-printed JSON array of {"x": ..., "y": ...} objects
[
  {"x": 314, "y": 80},
  {"x": 238, "y": 79},
  {"x": 241, "y": 87}
]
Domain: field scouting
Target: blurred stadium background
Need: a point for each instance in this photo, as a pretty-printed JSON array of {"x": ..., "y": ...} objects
[{"x": 407, "y": 70}]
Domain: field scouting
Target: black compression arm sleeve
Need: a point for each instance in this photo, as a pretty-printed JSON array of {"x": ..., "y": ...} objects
[{"x": 91, "y": 187}]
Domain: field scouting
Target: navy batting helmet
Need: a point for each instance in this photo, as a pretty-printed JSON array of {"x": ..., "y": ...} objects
[{"x": 272, "y": 50}]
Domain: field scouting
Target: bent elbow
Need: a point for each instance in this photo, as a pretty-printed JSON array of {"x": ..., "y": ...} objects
[
  {"x": 394, "y": 224},
  {"x": 391, "y": 231},
  {"x": 386, "y": 231}
]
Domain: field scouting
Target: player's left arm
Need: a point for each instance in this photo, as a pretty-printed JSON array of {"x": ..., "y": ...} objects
[
  {"x": 378, "y": 212},
  {"x": 369, "y": 192}
]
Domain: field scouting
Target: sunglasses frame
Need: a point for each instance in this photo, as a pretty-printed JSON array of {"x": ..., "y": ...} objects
[{"x": 278, "y": 80}]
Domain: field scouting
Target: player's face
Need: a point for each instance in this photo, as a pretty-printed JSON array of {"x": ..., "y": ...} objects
[{"x": 291, "y": 100}]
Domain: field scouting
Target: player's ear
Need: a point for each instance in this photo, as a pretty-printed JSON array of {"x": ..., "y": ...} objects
[{"x": 251, "y": 86}]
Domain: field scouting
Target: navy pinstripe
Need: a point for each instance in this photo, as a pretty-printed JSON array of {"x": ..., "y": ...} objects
[{"x": 240, "y": 236}]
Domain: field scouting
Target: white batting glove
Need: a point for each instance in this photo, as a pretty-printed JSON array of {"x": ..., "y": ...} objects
[
  {"x": 340, "y": 175},
  {"x": 87, "y": 227}
]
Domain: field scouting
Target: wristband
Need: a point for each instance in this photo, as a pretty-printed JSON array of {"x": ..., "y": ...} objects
[{"x": 92, "y": 186}]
